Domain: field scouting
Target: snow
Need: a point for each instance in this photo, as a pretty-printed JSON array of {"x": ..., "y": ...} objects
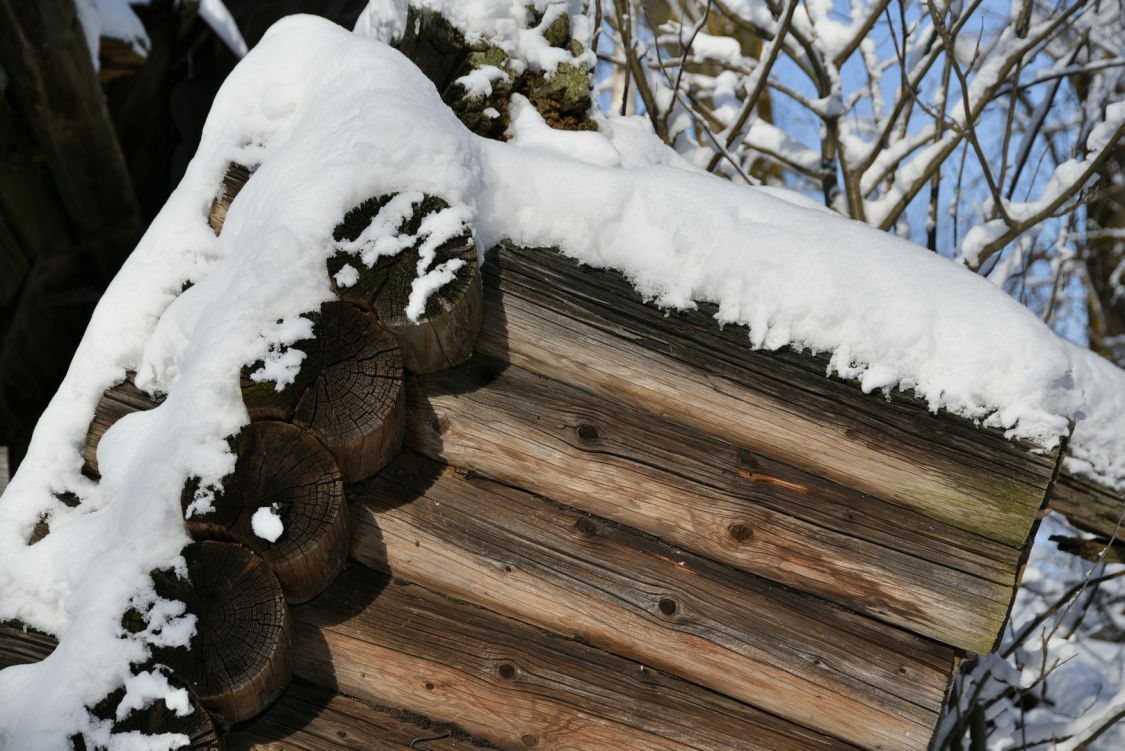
[
  {"x": 216, "y": 15},
  {"x": 267, "y": 524},
  {"x": 115, "y": 19},
  {"x": 328, "y": 119},
  {"x": 478, "y": 82}
]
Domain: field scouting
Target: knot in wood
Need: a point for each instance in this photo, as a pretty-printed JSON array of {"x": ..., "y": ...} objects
[
  {"x": 587, "y": 432},
  {"x": 530, "y": 740},
  {"x": 507, "y": 671},
  {"x": 740, "y": 532},
  {"x": 586, "y": 526},
  {"x": 667, "y": 606}
]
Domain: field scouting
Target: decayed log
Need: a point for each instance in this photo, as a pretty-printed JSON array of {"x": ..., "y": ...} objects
[
  {"x": 710, "y": 496},
  {"x": 283, "y": 467},
  {"x": 447, "y": 332},
  {"x": 399, "y": 645},
  {"x": 239, "y": 658},
  {"x": 589, "y": 327},
  {"x": 356, "y": 403},
  {"x": 793, "y": 655},
  {"x": 235, "y": 177},
  {"x": 1089, "y": 506},
  {"x": 316, "y": 719}
]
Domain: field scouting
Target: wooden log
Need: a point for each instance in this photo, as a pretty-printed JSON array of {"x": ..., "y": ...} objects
[
  {"x": 709, "y": 496},
  {"x": 1089, "y": 505},
  {"x": 238, "y": 662},
  {"x": 400, "y": 645},
  {"x": 21, "y": 646},
  {"x": 356, "y": 403},
  {"x": 316, "y": 719},
  {"x": 446, "y": 333},
  {"x": 198, "y": 725},
  {"x": 1092, "y": 550},
  {"x": 117, "y": 59},
  {"x": 235, "y": 177},
  {"x": 349, "y": 393},
  {"x": 589, "y": 327},
  {"x": 283, "y": 468},
  {"x": 118, "y": 401},
  {"x": 787, "y": 653}
]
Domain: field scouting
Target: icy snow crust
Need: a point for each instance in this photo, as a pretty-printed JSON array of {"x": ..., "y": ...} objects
[{"x": 331, "y": 118}]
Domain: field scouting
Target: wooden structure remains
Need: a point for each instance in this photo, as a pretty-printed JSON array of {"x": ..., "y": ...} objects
[
  {"x": 553, "y": 516},
  {"x": 603, "y": 526}
]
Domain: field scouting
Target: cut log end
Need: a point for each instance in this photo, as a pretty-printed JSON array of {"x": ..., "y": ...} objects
[
  {"x": 288, "y": 471},
  {"x": 239, "y": 659},
  {"x": 356, "y": 404},
  {"x": 235, "y": 178},
  {"x": 446, "y": 333},
  {"x": 116, "y": 402},
  {"x": 197, "y": 724}
]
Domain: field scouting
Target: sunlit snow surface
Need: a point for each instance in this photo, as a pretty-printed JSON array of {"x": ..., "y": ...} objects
[{"x": 330, "y": 118}]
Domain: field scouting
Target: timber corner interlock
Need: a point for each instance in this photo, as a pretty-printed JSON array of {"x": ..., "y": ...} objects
[{"x": 737, "y": 551}]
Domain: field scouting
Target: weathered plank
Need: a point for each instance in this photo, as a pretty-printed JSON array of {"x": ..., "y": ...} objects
[
  {"x": 588, "y": 327},
  {"x": 308, "y": 718},
  {"x": 711, "y": 497},
  {"x": 786, "y": 652},
  {"x": 1089, "y": 505},
  {"x": 396, "y": 644}
]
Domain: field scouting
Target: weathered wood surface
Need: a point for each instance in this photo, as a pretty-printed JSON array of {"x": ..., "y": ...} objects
[
  {"x": 285, "y": 468},
  {"x": 790, "y": 654},
  {"x": 399, "y": 645},
  {"x": 20, "y": 647},
  {"x": 308, "y": 718},
  {"x": 239, "y": 659},
  {"x": 355, "y": 403},
  {"x": 118, "y": 401},
  {"x": 712, "y": 497},
  {"x": 447, "y": 330},
  {"x": 588, "y": 327},
  {"x": 1090, "y": 506}
]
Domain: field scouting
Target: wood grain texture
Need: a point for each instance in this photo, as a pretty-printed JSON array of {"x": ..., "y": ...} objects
[
  {"x": 399, "y": 645},
  {"x": 783, "y": 651},
  {"x": 356, "y": 402},
  {"x": 711, "y": 497},
  {"x": 1089, "y": 505},
  {"x": 308, "y": 718},
  {"x": 447, "y": 331},
  {"x": 20, "y": 646},
  {"x": 588, "y": 327},
  {"x": 285, "y": 468},
  {"x": 236, "y": 176},
  {"x": 118, "y": 401},
  {"x": 238, "y": 661}
]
